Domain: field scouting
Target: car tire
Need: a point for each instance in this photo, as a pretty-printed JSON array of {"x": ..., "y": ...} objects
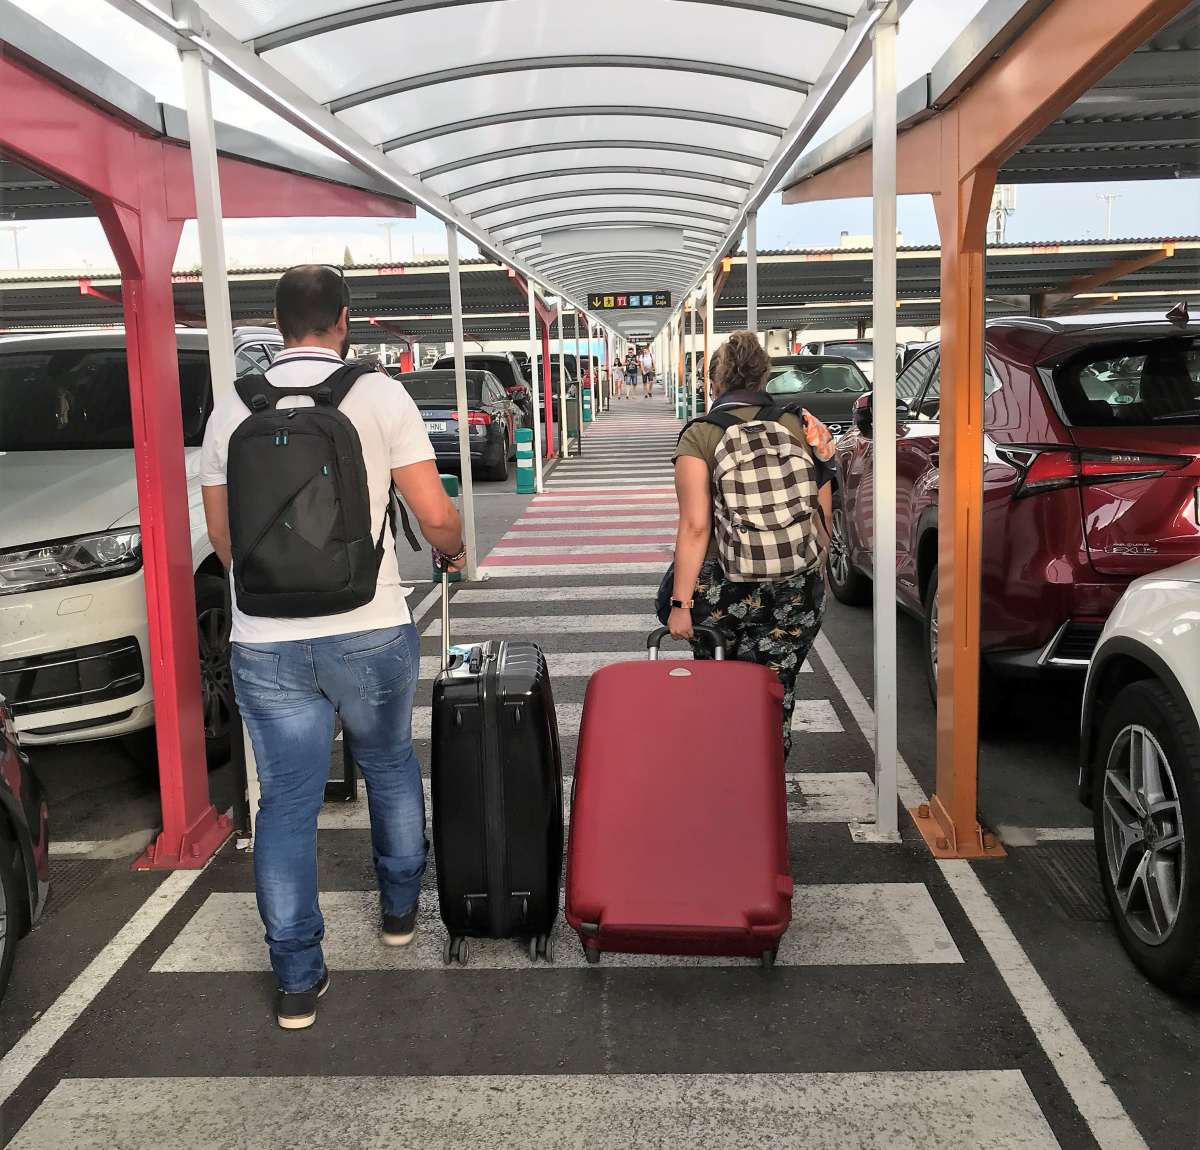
[
  {"x": 498, "y": 472},
  {"x": 216, "y": 683},
  {"x": 991, "y": 699},
  {"x": 11, "y": 913},
  {"x": 848, "y": 585},
  {"x": 1146, "y": 714}
]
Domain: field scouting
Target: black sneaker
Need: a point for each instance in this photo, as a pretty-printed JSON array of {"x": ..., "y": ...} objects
[
  {"x": 398, "y": 929},
  {"x": 297, "y": 1009}
]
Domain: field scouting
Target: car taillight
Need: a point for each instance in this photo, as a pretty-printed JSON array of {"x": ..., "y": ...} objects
[
  {"x": 1051, "y": 468},
  {"x": 475, "y": 418}
]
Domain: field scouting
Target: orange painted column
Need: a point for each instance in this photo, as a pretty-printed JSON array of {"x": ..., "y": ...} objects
[{"x": 951, "y": 825}]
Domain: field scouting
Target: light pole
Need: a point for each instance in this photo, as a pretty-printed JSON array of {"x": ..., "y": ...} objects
[
  {"x": 387, "y": 226},
  {"x": 13, "y": 230}
]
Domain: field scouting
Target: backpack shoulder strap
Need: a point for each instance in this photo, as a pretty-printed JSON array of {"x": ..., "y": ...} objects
[
  {"x": 719, "y": 418},
  {"x": 254, "y": 390},
  {"x": 336, "y": 386}
]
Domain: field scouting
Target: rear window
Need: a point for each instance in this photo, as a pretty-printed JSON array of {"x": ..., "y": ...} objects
[
  {"x": 441, "y": 388},
  {"x": 77, "y": 399},
  {"x": 856, "y": 351},
  {"x": 795, "y": 378},
  {"x": 1139, "y": 384}
]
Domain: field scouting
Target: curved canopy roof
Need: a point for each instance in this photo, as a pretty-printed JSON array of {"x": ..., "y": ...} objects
[{"x": 549, "y": 122}]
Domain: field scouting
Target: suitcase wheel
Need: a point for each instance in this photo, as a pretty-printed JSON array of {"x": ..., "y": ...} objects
[
  {"x": 591, "y": 953},
  {"x": 456, "y": 950},
  {"x": 541, "y": 946},
  {"x": 768, "y": 959}
]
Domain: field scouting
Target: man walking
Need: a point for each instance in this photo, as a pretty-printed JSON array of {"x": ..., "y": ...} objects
[
  {"x": 294, "y": 674},
  {"x": 646, "y": 363}
]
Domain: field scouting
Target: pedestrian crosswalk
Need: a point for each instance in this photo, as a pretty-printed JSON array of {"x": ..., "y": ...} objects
[{"x": 836, "y": 1047}]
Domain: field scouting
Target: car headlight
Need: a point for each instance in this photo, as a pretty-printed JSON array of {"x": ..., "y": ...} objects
[{"x": 69, "y": 561}]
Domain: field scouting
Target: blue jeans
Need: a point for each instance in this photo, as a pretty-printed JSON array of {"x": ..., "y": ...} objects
[{"x": 289, "y": 694}]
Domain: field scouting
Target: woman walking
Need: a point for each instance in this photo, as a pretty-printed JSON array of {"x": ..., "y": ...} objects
[{"x": 754, "y": 485}]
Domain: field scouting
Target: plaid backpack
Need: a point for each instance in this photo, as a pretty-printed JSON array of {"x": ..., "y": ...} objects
[{"x": 764, "y": 498}]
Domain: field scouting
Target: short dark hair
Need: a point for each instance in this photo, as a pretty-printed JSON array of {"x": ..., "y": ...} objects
[{"x": 308, "y": 300}]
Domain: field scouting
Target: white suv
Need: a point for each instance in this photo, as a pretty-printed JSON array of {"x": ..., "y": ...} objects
[
  {"x": 74, "y": 652},
  {"x": 1141, "y": 772}
]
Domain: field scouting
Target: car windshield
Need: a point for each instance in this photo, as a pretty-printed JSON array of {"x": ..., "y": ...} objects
[
  {"x": 793, "y": 378},
  {"x": 860, "y": 352},
  {"x": 1137, "y": 384},
  {"x": 77, "y": 399},
  {"x": 439, "y": 388}
]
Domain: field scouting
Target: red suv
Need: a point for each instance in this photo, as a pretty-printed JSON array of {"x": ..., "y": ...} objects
[{"x": 1091, "y": 477}]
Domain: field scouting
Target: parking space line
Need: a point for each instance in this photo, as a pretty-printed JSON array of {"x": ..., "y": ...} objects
[
  {"x": 1097, "y": 1102},
  {"x": 64, "y": 1012}
]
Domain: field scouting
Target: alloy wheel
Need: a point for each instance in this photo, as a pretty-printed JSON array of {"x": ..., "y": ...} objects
[
  {"x": 933, "y": 637},
  {"x": 213, "y": 630},
  {"x": 839, "y": 552},
  {"x": 1144, "y": 843}
]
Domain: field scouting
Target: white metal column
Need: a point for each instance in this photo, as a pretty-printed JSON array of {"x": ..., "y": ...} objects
[
  {"x": 205, "y": 176},
  {"x": 752, "y": 272},
  {"x": 534, "y": 352},
  {"x": 460, "y": 390},
  {"x": 691, "y": 393},
  {"x": 563, "y": 438},
  {"x": 883, "y": 151},
  {"x": 710, "y": 335},
  {"x": 579, "y": 373}
]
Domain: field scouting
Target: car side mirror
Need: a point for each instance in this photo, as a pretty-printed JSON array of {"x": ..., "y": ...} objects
[{"x": 861, "y": 413}]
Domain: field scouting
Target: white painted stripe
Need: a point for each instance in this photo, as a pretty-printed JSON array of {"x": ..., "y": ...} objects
[
  {"x": 1031, "y": 836},
  {"x": 837, "y": 797},
  {"x": 580, "y": 530},
  {"x": 649, "y": 519},
  {"x": 78, "y": 847},
  {"x": 536, "y": 570},
  {"x": 533, "y": 595},
  {"x": 816, "y": 717},
  {"x": 524, "y": 625},
  {"x": 909, "y": 789},
  {"x": 617, "y": 547},
  {"x": 867, "y": 1110},
  {"x": 64, "y": 1012},
  {"x": 1097, "y": 1101},
  {"x": 613, "y": 484},
  {"x": 840, "y": 924},
  {"x": 124, "y": 846},
  {"x": 580, "y": 665}
]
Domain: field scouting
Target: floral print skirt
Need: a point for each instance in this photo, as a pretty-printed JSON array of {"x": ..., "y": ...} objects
[{"x": 769, "y": 623}]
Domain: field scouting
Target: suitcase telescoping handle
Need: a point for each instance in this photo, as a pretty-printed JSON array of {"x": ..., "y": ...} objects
[
  {"x": 714, "y": 634},
  {"x": 445, "y": 571}
]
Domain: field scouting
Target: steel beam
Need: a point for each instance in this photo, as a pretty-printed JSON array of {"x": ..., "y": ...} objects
[
  {"x": 576, "y": 193},
  {"x": 598, "y": 170},
  {"x": 572, "y": 111},
  {"x": 460, "y": 390},
  {"x": 454, "y": 75},
  {"x": 584, "y": 145}
]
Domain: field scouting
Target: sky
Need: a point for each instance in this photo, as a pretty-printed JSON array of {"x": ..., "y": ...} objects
[{"x": 1044, "y": 212}]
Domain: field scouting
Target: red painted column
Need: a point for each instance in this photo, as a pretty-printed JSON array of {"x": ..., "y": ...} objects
[
  {"x": 145, "y": 243},
  {"x": 547, "y": 389}
]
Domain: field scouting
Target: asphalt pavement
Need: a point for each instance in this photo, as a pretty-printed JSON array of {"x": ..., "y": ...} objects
[{"x": 915, "y": 1003}]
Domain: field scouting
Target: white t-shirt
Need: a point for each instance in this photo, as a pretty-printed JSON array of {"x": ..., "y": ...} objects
[{"x": 393, "y": 435}]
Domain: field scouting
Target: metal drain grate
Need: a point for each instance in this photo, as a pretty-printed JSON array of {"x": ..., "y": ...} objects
[
  {"x": 1070, "y": 870},
  {"x": 71, "y": 877}
]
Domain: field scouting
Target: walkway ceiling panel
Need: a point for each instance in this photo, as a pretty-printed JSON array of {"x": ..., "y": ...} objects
[
  {"x": 464, "y": 148},
  {"x": 587, "y": 156},
  {"x": 612, "y": 208},
  {"x": 576, "y": 187},
  {"x": 519, "y": 93}
]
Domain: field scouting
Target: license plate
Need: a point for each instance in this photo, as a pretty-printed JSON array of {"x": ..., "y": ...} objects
[{"x": 435, "y": 425}]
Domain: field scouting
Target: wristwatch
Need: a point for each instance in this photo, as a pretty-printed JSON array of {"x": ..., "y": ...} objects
[{"x": 681, "y": 604}]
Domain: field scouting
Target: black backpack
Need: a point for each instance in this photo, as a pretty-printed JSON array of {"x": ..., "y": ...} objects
[{"x": 299, "y": 506}]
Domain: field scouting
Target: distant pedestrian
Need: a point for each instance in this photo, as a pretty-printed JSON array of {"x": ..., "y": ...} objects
[
  {"x": 646, "y": 364},
  {"x": 297, "y": 669},
  {"x": 618, "y": 377},
  {"x": 631, "y": 370},
  {"x": 750, "y": 559}
]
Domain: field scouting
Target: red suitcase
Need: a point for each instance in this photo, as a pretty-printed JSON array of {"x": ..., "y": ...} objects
[{"x": 678, "y": 841}]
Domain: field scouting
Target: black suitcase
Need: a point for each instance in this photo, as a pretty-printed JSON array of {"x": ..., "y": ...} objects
[{"x": 496, "y": 791}]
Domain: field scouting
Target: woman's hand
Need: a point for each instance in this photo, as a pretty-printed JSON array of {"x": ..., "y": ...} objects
[{"x": 680, "y": 623}]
